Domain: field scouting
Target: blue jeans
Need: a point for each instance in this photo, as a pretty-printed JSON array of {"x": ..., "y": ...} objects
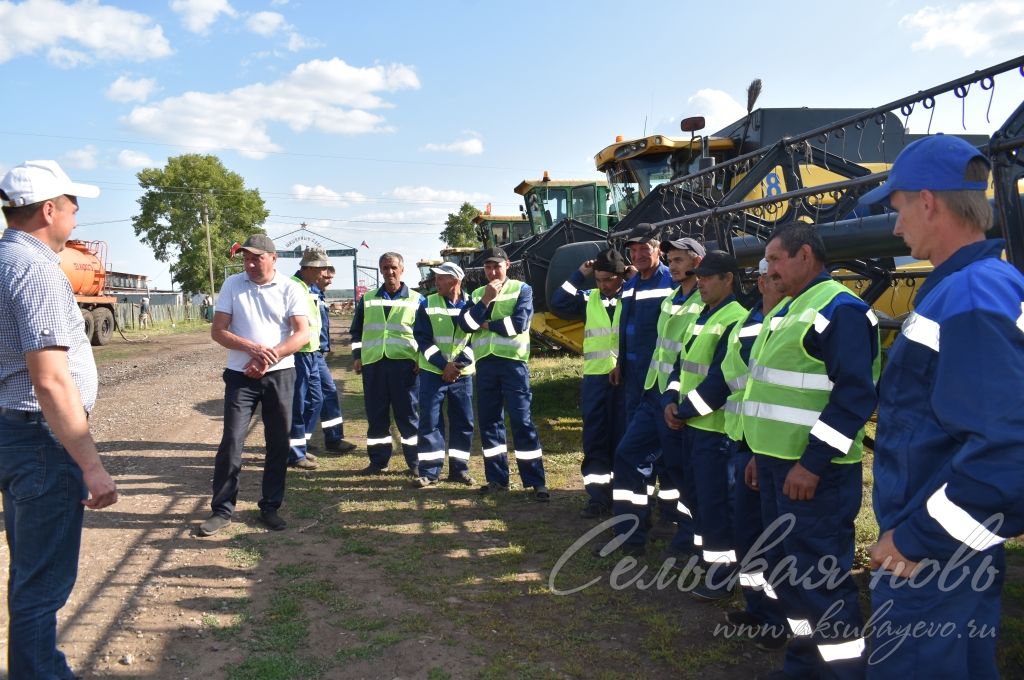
[{"x": 43, "y": 493}]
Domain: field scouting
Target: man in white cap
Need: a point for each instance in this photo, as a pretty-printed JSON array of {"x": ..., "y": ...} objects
[
  {"x": 49, "y": 468},
  {"x": 446, "y": 371}
]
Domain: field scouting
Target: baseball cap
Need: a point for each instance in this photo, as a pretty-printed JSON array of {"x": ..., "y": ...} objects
[
  {"x": 716, "y": 262},
  {"x": 451, "y": 269},
  {"x": 610, "y": 261},
  {"x": 35, "y": 181},
  {"x": 313, "y": 257},
  {"x": 495, "y": 255},
  {"x": 257, "y": 244},
  {"x": 693, "y": 245},
  {"x": 642, "y": 233},
  {"x": 762, "y": 266},
  {"x": 937, "y": 163}
]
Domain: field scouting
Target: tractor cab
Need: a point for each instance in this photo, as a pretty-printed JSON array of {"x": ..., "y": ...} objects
[
  {"x": 548, "y": 202},
  {"x": 459, "y": 256},
  {"x": 426, "y": 285},
  {"x": 497, "y": 231},
  {"x": 636, "y": 167}
]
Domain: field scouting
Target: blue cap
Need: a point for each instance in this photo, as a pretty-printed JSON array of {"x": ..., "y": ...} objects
[{"x": 936, "y": 163}]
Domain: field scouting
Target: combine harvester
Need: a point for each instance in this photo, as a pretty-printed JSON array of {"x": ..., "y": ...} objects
[{"x": 774, "y": 166}]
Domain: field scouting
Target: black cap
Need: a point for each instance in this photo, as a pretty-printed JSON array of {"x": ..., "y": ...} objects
[
  {"x": 495, "y": 255},
  {"x": 610, "y": 261},
  {"x": 691, "y": 244},
  {"x": 716, "y": 262},
  {"x": 642, "y": 233}
]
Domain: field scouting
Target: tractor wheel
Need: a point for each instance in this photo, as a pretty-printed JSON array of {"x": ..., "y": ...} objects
[
  {"x": 89, "y": 323},
  {"x": 568, "y": 259},
  {"x": 104, "y": 326}
]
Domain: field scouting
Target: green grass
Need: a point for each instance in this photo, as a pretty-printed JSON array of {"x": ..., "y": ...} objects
[{"x": 446, "y": 567}]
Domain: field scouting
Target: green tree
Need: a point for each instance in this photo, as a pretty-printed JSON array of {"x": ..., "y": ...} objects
[
  {"x": 459, "y": 230},
  {"x": 171, "y": 216}
]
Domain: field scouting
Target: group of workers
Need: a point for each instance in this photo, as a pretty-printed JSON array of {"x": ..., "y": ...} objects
[
  {"x": 416, "y": 353},
  {"x": 745, "y": 429},
  {"x": 742, "y": 430}
]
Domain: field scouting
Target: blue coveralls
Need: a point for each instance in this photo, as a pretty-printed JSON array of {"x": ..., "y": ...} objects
[
  {"x": 505, "y": 383},
  {"x": 331, "y": 418},
  {"x": 601, "y": 404},
  {"x": 747, "y": 523},
  {"x": 433, "y": 392},
  {"x": 824, "y": 525},
  {"x": 307, "y": 397},
  {"x": 949, "y": 466},
  {"x": 705, "y": 461},
  {"x": 638, "y": 459},
  {"x": 389, "y": 385}
]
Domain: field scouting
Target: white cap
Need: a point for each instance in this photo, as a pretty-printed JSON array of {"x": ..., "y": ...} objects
[
  {"x": 762, "y": 266},
  {"x": 35, "y": 181}
]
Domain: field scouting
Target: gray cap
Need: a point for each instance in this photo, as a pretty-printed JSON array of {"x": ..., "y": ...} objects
[
  {"x": 314, "y": 257},
  {"x": 257, "y": 244},
  {"x": 451, "y": 269},
  {"x": 693, "y": 245}
]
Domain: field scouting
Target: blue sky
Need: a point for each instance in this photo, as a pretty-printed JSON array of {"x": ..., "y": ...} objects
[{"x": 372, "y": 121}]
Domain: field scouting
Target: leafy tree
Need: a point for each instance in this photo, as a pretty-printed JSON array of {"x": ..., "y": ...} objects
[
  {"x": 170, "y": 219},
  {"x": 459, "y": 230}
]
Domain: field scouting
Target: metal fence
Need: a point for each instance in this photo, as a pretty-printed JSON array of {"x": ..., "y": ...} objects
[{"x": 126, "y": 315}]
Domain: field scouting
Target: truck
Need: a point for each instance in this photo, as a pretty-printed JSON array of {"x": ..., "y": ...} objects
[{"x": 84, "y": 263}]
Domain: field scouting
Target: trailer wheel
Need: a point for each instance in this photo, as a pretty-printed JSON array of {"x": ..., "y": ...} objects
[
  {"x": 568, "y": 259},
  {"x": 89, "y": 323},
  {"x": 104, "y": 326}
]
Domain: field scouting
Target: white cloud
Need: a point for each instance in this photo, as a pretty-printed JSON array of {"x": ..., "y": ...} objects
[
  {"x": 265, "y": 23},
  {"x": 298, "y": 42},
  {"x": 322, "y": 193},
  {"x": 971, "y": 28},
  {"x": 473, "y": 146},
  {"x": 129, "y": 158},
  {"x": 279, "y": 2},
  {"x": 428, "y": 195},
  {"x": 83, "y": 159},
  {"x": 329, "y": 96},
  {"x": 97, "y": 32},
  {"x": 199, "y": 15},
  {"x": 124, "y": 89},
  {"x": 718, "y": 108}
]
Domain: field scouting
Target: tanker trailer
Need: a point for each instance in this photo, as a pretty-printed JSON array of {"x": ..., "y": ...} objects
[{"x": 83, "y": 262}]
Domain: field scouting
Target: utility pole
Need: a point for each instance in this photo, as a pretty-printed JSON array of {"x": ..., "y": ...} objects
[{"x": 209, "y": 246}]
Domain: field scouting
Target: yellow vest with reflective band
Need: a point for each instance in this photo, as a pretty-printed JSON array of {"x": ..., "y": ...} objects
[
  {"x": 787, "y": 388},
  {"x": 486, "y": 343},
  {"x": 392, "y": 336},
  {"x": 735, "y": 370},
  {"x": 313, "y": 302},
  {"x": 696, "y": 361},
  {"x": 600, "y": 335},
  {"x": 674, "y": 326},
  {"x": 448, "y": 337}
]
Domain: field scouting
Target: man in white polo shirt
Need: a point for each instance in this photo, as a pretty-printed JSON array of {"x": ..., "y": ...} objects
[{"x": 261, "y": 318}]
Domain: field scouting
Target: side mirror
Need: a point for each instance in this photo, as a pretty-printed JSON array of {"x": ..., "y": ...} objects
[{"x": 692, "y": 124}]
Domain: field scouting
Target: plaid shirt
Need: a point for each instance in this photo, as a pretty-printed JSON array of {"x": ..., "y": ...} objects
[{"x": 38, "y": 310}]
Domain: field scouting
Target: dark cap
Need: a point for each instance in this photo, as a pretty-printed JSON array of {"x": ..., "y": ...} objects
[
  {"x": 610, "y": 261},
  {"x": 495, "y": 255},
  {"x": 716, "y": 262},
  {"x": 691, "y": 244},
  {"x": 257, "y": 244},
  {"x": 642, "y": 233}
]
